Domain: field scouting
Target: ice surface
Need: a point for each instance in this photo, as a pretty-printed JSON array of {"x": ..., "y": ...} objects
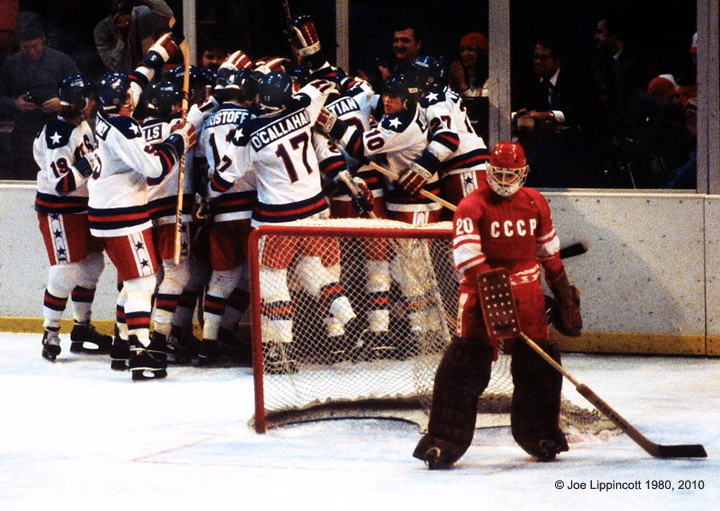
[{"x": 75, "y": 435}]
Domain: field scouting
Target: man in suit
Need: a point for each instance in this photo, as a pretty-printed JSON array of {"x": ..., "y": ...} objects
[{"x": 549, "y": 123}]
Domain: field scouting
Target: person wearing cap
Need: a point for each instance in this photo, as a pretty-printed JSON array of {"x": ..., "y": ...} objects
[
  {"x": 468, "y": 75},
  {"x": 28, "y": 91}
]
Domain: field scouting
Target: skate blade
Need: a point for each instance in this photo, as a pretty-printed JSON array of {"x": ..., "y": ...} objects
[
  {"x": 87, "y": 347},
  {"x": 148, "y": 374}
]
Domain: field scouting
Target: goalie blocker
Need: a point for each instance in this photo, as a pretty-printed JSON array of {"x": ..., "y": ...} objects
[{"x": 464, "y": 373}]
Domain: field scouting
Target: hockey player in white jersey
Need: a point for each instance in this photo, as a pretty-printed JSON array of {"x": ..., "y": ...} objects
[
  {"x": 462, "y": 163},
  {"x": 401, "y": 139},
  {"x": 164, "y": 103},
  {"x": 119, "y": 212},
  {"x": 278, "y": 147},
  {"x": 76, "y": 259},
  {"x": 231, "y": 213}
]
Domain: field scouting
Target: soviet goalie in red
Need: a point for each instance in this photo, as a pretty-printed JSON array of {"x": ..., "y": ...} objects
[{"x": 503, "y": 225}]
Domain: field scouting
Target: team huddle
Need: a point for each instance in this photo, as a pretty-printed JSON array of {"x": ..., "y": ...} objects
[{"x": 173, "y": 198}]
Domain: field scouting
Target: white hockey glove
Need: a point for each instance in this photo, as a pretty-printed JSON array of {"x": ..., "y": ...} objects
[
  {"x": 183, "y": 138},
  {"x": 362, "y": 197},
  {"x": 303, "y": 36},
  {"x": 88, "y": 164},
  {"x": 412, "y": 179},
  {"x": 326, "y": 121}
]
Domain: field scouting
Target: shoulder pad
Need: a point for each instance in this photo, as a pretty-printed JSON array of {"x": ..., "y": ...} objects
[
  {"x": 397, "y": 122},
  {"x": 128, "y": 126},
  {"x": 57, "y": 133},
  {"x": 299, "y": 100},
  {"x": 241, "y": 136},
  {"x": 432, "y": 97}
]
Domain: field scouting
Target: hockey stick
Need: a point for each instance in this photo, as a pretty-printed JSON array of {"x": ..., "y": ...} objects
[
  {"x": 424, "y": 193},
  {"x": 653, "y": 449},
  {"x": 185, "y": 49},
  {"x": 286, "y": 12},
  {"x": 501, "y": 322}
]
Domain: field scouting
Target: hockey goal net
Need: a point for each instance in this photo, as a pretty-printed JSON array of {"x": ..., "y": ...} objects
[{"x": 313, "y": 360}]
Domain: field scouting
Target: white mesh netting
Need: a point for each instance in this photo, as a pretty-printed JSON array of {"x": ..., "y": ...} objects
[{"x": 400, "y": 283}]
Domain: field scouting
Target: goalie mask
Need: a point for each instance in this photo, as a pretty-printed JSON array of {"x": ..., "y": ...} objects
[
  {"x": 74, "y": 91},
  {"x": 507, "y": 168}
]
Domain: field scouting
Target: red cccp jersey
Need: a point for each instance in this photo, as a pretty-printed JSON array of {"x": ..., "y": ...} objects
[{"x": 514, "y": 233}]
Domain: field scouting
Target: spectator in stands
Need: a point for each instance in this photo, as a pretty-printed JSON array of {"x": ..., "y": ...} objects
[
  {"x": 469, "y": 74},
  {"x": 212, "y": 53},
  {"x": 133, "y": 26},
  {"x": 552, "y": 109},
  {"x": 686, "y": 175},
  {"x": 28, "y": 91},
  {"x": 407, "y": 42}
]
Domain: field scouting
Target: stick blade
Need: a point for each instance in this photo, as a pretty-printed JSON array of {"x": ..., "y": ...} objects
[{"x": 680, "y": 451}]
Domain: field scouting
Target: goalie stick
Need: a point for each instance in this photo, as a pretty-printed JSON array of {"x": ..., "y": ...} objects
[
  {"x": 185, "y": 49},
  {"x": 502, "y": 323}
]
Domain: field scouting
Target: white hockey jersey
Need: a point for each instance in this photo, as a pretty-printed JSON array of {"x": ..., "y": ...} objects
[
  {"x": 60, "y": 187},
  {"x": 162, "y": 197},
  {"x": 119, "y": 190},
  {"x": 278, "y": 148},
  {"x": 237, "y": 200},
  {"x": 445, "y": 111}
]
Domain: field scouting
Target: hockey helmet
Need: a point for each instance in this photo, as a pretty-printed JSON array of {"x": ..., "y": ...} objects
[
  {"x": 275, "y": 90},
  {"x": 428, "y": 71},
  {"x": 507, "y": 168},
  {"x": 163, "y": 95},
  {"x": 241, "y": 86},
  {"x": 111, "y": 90},
  {"x": 402, "y": 85},
  {"x": 177, "y": 75},
  {"x": 74, "y": 91}
]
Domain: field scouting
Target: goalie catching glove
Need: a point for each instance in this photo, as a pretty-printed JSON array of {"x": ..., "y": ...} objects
[{"x": 565, "y": 313}]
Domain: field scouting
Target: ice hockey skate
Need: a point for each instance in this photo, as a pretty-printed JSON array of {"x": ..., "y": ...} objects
[
  {"x": 144, "y": 366},
  {"x": 85, "y": 339},
  {"x": 51, "y": 345}
]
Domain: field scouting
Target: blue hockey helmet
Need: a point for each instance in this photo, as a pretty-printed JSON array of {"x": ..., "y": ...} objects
[
  {"x": 428, "y": 71},
  {"x": 275, "y": 90},
  {"x": 163, "y": 95},
  {"x": 111, "y": 90},
  {"x": 241, "y": 86},
  {"x": 74, "y": 91},
  {"x": 402, "y": 85}
]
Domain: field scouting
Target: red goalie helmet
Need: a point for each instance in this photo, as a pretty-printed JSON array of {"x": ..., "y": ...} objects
[{"x": 508, "y": 168}]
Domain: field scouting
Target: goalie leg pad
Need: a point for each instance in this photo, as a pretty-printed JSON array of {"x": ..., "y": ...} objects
[
  {"x": 535, "y": 408},
  {"x": 462, "y": 376}
]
